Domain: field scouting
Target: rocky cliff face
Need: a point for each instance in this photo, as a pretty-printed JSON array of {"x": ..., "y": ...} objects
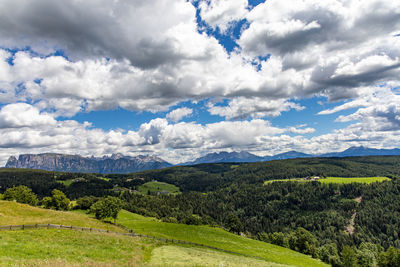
[{"x": 74, "y": 163}]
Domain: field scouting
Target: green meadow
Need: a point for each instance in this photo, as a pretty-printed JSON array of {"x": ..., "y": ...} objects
[
  {"x": 335, "y": 180},
  {"x": 348, "y": 180},
  {"x": 51, "y": 247},
  {"x": 215, "y": 237},
  {"x": 12, "y": 213},
  {"x": 192, "y": 256},
  {"x": 154, "y": 187},
  {"x": 63, "y": 247}
]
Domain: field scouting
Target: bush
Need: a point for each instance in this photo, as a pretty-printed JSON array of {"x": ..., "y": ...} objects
[
  {"x": 106, "y": 208},
  {"x": 57, "y": 201},
  {"x": 21, "y": 194}
]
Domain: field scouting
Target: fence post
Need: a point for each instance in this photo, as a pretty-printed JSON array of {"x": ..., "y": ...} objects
[{"x": 23, "y": 227}]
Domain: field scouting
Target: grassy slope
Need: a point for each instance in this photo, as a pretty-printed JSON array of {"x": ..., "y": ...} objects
[
  {"x": 12, "y": 213},
  {"x": 64, "y": 247},
  {"x": 190, "y": 256},
  {"x": 157, "y": 186},
  {"x": 337, "y": 180},
  {"x": 215, "y": 237},
  {"x": 52, "y": 247}
]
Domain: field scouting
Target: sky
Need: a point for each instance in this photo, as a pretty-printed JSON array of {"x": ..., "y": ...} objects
[{"x": 180, "y": 79}]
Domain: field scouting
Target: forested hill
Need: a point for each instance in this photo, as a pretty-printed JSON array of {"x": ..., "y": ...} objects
[
  {"x": 206, "y": 177},
  {"x": 203, "y": 177}
]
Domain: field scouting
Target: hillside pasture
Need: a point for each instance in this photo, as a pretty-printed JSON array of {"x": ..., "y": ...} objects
[
  {"x": 334, "y": 180},
  {"x": 154, "y": 187},
  {"x": 64, "y": 247},
  {"x": 50, "y": 247},
  {"x": 215, "y": 237},
  {"x": 192, "y": 256},
  {"x": 12, "y": 213}
]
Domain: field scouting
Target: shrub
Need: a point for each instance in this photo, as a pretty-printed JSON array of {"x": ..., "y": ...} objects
[
  {"x": 106, "y": 208},
  {"x": 57, "y": 201},
  {"x": 21, "y": 194}
]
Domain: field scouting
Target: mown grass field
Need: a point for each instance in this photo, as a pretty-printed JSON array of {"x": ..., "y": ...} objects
[
  {"x": 336, "y": 180},
  {"x": 158, "y": 187},
  {"x": 192, "y": 256},
  {"x": 215, "y": 237}
]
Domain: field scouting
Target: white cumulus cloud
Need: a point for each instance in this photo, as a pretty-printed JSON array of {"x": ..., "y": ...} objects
[{"x": 179, "y": 113}]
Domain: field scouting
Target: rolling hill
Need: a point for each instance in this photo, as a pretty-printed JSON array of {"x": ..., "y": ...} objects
[{"x": 50, "y": 247}]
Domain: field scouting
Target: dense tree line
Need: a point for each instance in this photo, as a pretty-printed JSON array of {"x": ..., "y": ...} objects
[
  {"x": 41, "y": 182},
  {"x": 210, "y": 177}
]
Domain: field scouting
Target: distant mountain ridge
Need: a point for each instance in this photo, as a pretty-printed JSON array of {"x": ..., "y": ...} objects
[
  {"x": 226, "y": 157},
  {"x": 248, "y": 157},
  {"x": 363, "y": 151},
  {"x": 116, "y": 163},
  {"x": 119, "y": 163}
]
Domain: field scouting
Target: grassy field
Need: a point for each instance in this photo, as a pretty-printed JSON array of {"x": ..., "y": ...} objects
[
  {"x": 158, "y": 187},
  {"x": 215, "y": 237},
  {"x": 66, "y": 182},
  {"x": 344, "y": 180},
  {"x": 190, "y": 256},
  {"x": 336, "y": 180},
  {"x": 56, "y": 247},
  {"x": 71, "y": 248},
  {"x": 12, "y": 213}
]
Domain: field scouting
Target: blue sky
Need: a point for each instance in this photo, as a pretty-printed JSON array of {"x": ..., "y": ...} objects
[{"x": 180, "y": 79}]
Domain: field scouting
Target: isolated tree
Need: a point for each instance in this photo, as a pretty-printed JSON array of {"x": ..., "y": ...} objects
[
  {"x": 107, "y": 208},
  {"x": 21, "y": 194},
  {"x": 57, "y": 201}
]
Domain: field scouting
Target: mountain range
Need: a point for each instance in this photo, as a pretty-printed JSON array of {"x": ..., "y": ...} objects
[
  {"x": 118, "y": 163},
  {"x": 248, "y": 157}
]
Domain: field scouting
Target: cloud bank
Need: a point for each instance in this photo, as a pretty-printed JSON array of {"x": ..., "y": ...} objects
[{"x": 59, "y": 59}]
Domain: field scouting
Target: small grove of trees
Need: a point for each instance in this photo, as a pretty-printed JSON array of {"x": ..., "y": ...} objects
[
  {"x": 107, "y": 208},
  {"x": 21, "y": 194},
  {"x": 57, "y": 201}
]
